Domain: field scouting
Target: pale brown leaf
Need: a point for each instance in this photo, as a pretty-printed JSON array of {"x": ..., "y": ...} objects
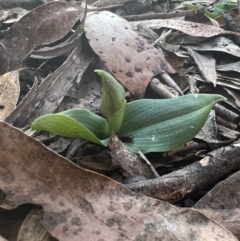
[
  {"x": 127, "y": 55},
  {"x": 83, "y": 205},
  {"x": 9, "y": 93}
]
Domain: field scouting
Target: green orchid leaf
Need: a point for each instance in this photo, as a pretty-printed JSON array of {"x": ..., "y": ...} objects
[
  {"x": 94, "y": 123},
  {"x": 115, "y": 121},
  {"x": 211, "y": 15},
  {"x": 163, "y": 125},
  {"x": 113, "y": 103},
  {"x": 92, "y": 127}
]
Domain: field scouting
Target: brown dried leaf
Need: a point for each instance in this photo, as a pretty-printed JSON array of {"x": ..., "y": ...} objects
[
  {"x": 44, "y": 24},
  {"x": 9, "y": 93},
  {"x": 222, "y": 203},
  {"x": 82, "y": 205},
  {"x": 206, "y": 65},
  {"x": 190, "y": 28},
  {"x": 127, "y": 55}
]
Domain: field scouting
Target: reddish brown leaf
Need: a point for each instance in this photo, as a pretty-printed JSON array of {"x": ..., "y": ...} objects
[
  {"x": 83, "y": 205},
  {"x": 127, "y": 55}
]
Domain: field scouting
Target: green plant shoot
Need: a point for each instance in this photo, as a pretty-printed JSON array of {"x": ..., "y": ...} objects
[
  {"x": 156, "y": 125},
  {"x": 113, "y": 103}
]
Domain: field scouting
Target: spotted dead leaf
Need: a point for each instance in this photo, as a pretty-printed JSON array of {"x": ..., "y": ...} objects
[
  {"x": 44, "y": 24},
  {"x": 222, "y": 203},
  {"x": 83, "y": 205},
  {"x": 187, "y": 27},
  {"x": 9, "y": 93},
  {"x": 127, "y": 55}
]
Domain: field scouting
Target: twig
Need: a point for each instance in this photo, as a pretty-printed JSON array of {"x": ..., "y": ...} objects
[
  {"x": 149, "y": 163},
  {"x": 176, "y": 185}
]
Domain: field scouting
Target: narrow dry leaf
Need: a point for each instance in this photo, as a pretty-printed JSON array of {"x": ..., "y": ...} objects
[
  {"x": 44, "y": 24},
  {"x": 83, "y": 205},
  {"x": 229, "y": 67},
  {"x": 221, "y": 44},
  {"x": 104, "y": 3},
  {"x": 190, "y": 28},
  {"x": 222, "y": 203},
  {"x": 50, "y": 93},
  {"x": 206, "y": 65},
  {"x": 31, "y": 228},
  {"x": 127, "y": 55},
  {"x": 9, "y": 93},
  {"x": 22, "y": 3}
]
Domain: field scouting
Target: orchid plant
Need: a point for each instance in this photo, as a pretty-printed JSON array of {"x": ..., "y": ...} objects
[{"x": 155, "y": 125}]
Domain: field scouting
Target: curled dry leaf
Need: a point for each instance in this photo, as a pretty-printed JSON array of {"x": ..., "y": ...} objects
[
  {"x": 83, "y": 205},
  {"x": 127, "y": 55},
  {"x": 9, "y": 93},
  {"x": 44, "y": 24},
  {"x": 222, "y": 203}
]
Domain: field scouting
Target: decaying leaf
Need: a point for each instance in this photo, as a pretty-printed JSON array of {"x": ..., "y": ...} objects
[
  {"x": 44, "y": 24},
  {"x": 127, "y": 55},
  {"x": 187, "y": 27},
  {"x": 206, "y": 65},
  {"x": 104, "y": 3},
  {"x": 221, "y": 44},
  {"x": 222, "y": 203},
  {"x": 83, "y": 205},
  {"x": 9, "y": 93},
  {"x": 47, "y": 97}
]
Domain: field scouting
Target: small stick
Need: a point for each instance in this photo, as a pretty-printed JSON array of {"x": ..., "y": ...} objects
[{"x": 149, "y": 163}]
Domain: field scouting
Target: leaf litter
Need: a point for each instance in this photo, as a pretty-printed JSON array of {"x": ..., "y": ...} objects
[
  {"x": 77, "y": 203},
  {"x": 82, "y": 204}
]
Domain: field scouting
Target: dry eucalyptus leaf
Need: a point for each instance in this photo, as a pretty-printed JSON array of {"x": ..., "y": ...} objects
[
  {"x": 26, "y": 4},
  {"x": 42, "y": 25},
  {"x": 9, "y": 93},
  {"x": 220, "y": 44},
  {"x": 83, "y": 205},
  {"x": 127, "y": 55},
  {"x": 187, "y": 27},
  {"x": 31, "y": 228},
  {"x": 104, "y": 3},
  {"x": 229, "y": 67},
  {"x": 222, "y": 203},
  {"x": 46, "y": 98},
  {"x": 206, "y": 65}
]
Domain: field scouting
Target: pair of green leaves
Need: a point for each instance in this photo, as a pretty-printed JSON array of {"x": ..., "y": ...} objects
[{"x": 157, "y": 125}]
